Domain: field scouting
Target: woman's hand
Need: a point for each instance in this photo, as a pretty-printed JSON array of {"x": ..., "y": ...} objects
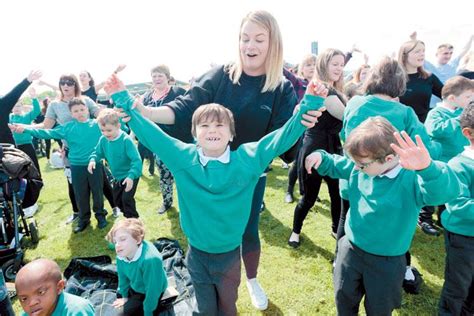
[
  {"x": 34, "y": 75},
  {"x": 317, "y": 88},
  {"x": 114, "y": 85}
]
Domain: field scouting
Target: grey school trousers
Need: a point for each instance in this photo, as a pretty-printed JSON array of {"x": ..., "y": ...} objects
[{"x": 358, "y": 273}]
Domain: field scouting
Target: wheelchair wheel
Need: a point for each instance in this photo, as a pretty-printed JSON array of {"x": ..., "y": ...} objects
[{"x": 9, "y": 272}]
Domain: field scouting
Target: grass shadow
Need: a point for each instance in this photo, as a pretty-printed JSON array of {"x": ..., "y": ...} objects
[
  {"x": 429, "y": 251},
  {"x": 272, "y": 309}
]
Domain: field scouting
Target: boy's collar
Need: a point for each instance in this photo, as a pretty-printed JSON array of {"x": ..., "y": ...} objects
[
  {"x": 224, "y": 158},
  {"x": 468, "y": 152},
  {"x": 118, "y": 136},
  {"x": 391, "y": 174},
  {"x": 137, "y": 255}
]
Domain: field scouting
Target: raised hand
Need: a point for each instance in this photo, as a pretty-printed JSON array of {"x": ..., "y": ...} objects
[
  {"x": 34, "y": 75},
  {"x": 412, "y": 156},
  {"x": 113, "y": 85},
  {"x": 119, "y": 68},
  {"x": 317, "y": 88},
  {"x": 32, "y": 93},
  {"x": 128, "y": 184},
  {"x": 312, "y": 161},
  {"x": 91, "y": 167}
]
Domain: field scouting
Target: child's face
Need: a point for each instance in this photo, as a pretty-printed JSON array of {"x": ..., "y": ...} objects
[
  {"x": 374, "y": 167},
  {"x": 110, "y": 131},
  {"x": 17, "y": 108},
  {"x": 39, "y": 297},
  {"x": 308, "y": 69},
  {"x": 125, "y": 245},
  {"x": 213, "y": 137},
  {"x": 463, "y": 99},
  {"x": 80, "y": 112}
]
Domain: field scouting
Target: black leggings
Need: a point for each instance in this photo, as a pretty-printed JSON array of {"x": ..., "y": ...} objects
[{"x": 292, "y": 177}]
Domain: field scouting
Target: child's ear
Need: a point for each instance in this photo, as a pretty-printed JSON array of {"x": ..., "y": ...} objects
[
  {"x": 389, "y": 158},
  {"x": 60, "y": 286},
  {"x": 468, "y": 133}
]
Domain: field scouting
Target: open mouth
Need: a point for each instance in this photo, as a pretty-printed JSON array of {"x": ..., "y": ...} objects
[
  {"x": 213, "y": 139},
  {"x": 251, "y": 55}
]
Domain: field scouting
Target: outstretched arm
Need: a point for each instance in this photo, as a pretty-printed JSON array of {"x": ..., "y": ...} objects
[
  {"x": 8, "y": 101},
  {"x": 466, "y": 48}
]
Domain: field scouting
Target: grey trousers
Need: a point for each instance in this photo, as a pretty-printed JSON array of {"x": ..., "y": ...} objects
[{"x": 358, "y": 273}]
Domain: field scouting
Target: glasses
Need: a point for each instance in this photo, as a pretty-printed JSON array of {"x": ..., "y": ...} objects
[
  {"x": 67, "y": 82},
  {"x": 364, "y": 165}
]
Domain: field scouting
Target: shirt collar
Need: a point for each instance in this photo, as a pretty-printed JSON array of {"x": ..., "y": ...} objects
[
  {"x": 118, "y": 136},
  {"x": 392, "y": 173},
  {"x": 224, "y": 158},
  {"x": 137, "y": 255},
  {"x": 468, "y": 152}
]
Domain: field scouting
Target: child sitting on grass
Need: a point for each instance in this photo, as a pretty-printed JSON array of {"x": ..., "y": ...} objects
[
  {"x": 120, "y": 152},
  {"x": 387, "y": 186},
  {"x": 39, "y": 287},
  {"x": 142, "y": 279},
  {"x": 215, "y": 187}
]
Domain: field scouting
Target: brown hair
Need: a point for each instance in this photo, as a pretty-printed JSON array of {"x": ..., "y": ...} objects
[
  {"x": 322, "y": 65},
  {"x": 134, "y": 226},
  {"x": 467, "y": 117},
  {"x": 77, "y": 87},
  {"x": 387, "y": 78},
  {"x": 310, "y": 58},
  {"x": 212, "y": 112},
  {"x": 456, "y": 86},
  {"x": 163, "y": 69},
  {"x": 359, "y": 71},
  {"x": 405, "y": 49},
  {"x": 108, "y": 116},
  {"x": 371, "y": 139},
  {"x": 76, "y": 101}
]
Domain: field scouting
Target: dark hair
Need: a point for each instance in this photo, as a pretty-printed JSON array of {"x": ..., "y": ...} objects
[
  {"x": 72, "y": 77},
  {"x": 467, "y": 117},
  {"x": 388, "y": 78},
  {"x": 76, "y": 101},
  {"x": 91, "y": 81},
  {"x": 456, "y": 86},
  {"x": 212, "y": 111},
  {"x": 371, "y": 139}
]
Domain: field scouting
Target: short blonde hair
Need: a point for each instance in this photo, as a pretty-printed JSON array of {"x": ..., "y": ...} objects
[
  {"x": 108, "y": 116},
  {"x": 306, "y": 60},
  {"x": 212, "y": 112},
  {"x": 274, "y": 60},
  {"x": 322, "y": 65},
  {"x": 371, "y": 139},
  {"x": 134, "y": 226}
]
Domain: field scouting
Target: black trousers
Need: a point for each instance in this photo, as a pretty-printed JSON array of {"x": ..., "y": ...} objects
[
  {"x": 134, "y": 304},
  {"x": 126, "y": 200}
]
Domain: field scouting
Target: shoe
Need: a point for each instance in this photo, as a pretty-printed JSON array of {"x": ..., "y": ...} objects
[
  {"x": 412, "y": 281},
  {"x": 293, "y": 243},
  {"x": 79, "y": 228},
  {"x": 428, "y": 228},
  {"x": 163, "y": 209},
  {"x": 30, "y": 211},
  {"x": 289, "y": 197},
  {"x": 115, "y": 212},
  {"x": 284, "y": 165},
  {"x": 262, "y": 207},
  {"x": 73, "y": 218},
  {"x": 257, "y": 295},
  {"x": 102, "y": 222}
]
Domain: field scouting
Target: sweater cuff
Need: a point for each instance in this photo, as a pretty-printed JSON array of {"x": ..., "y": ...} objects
[
  {"x": 311, "y": 102},
  {"x": 123, "y": 100},
  {"x": 431, "y": 172}
]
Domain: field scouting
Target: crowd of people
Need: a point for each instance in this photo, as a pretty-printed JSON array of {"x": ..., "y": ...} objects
[{"x": 386, "y": 153}]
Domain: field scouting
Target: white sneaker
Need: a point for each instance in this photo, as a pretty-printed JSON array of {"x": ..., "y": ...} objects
[
  {"x": 30, "y": 211},
  {"x": 115, "y": 212},
  {"x": 257, "y": 295}
]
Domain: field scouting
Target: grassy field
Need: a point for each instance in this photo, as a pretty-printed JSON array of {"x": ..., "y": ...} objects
[{"x": 298, "y": 282}]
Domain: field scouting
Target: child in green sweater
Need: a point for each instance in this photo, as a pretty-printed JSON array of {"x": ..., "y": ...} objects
[
  {"x": 82, "y": 135},
  {"x": 121, "y": 154},
  {"x": 457, "y": 296},
  {"x": 40, "y": 290},
  {"x": 442, "y": 122},
  {"x": 215, "y": 187},
  {"x": 142, "y": 279},
  {"x": 387, "y": 184}
]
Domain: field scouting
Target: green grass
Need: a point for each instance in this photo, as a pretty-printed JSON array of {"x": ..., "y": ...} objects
[{"x": 298, "y": 282}]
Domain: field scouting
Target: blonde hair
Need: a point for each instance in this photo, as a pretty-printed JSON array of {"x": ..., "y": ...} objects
[
  {"x": 321, "y": 71},
  {"x": 212, "y": 112},
  {"x": 371, "y": 139},
  {"x": 405, "y": 49},
  {"x": 274, "y": 59},
  {"x": 306, "y": 60},
  {"x": 134, "y": 226},
  {"x": 108, "y": 116}
]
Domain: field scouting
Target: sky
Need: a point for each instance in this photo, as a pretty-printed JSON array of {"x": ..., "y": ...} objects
[{"x": 96, "y": 35}]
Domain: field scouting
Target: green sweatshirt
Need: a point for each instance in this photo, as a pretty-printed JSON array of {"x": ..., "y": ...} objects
[
  {"x": 71, "y": 305},
  {"x": 82, "y": 137},
  {"x": 443, "y": 127},
  {"x": 459, "y": 214},
  {"x": 26, "y": 118},
  {"x": 215, "y": 199},
  {"x": 145, "y": 275},
  {"x": 384, "y": 211},
  {"x": 122, "y": 156}
]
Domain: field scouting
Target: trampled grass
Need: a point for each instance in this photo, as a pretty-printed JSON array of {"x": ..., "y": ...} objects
[{"x": 298, "y": 282}]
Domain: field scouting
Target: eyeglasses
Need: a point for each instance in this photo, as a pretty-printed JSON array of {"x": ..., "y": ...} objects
[
  {"x": 67, "y": 82},
  {"x": 363, "y": 165}
]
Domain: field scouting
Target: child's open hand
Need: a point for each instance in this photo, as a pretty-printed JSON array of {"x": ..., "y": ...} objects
[
  {"x": 128, "y": 184},
  {"x": 412, "y": 156},
  {"x": 91, "y": 167},
  {"x": 312, "y": 161},
  {"x": 317, "y": 88},
  {"x": 113, "y": 85},
  {"x": 119, "y": 302}
]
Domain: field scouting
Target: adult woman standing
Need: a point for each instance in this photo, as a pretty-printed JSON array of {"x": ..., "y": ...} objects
[
  {"x": 254, "y": 89},
  {"x": 89, "y": 87},
  {"x": 421, "y": 86},
  {"x": 324, "y": 135},
  {"x": 162, "y": 93}
]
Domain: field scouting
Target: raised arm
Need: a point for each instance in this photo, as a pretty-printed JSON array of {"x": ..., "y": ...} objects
[
  {"x": 100, "y": 85},
  {"x": 466, "y": 48},
  {"x": 8, "y": 101}
]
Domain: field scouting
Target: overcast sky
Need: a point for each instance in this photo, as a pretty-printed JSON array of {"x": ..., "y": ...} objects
[{"x": 96, "y": 35}]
